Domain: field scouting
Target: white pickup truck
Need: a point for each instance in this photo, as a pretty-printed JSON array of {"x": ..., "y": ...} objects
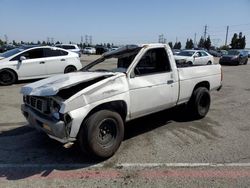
[{"x": 91, "y": 106}]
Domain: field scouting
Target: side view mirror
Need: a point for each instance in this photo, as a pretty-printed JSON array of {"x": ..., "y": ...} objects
[
  {"x": 22, "y": 58},
  {"x": 196, "y": 55}
]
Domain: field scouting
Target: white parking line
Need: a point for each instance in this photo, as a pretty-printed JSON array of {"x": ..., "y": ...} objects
[{"x": 124, "y": 165}]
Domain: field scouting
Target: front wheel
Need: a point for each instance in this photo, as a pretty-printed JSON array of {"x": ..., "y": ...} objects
[
  {"x": 209, "y": 63},
  {"x": 199, "y": 103},
  {"x": 7, "y": 77},
  {"x": 101, "y": 134}
]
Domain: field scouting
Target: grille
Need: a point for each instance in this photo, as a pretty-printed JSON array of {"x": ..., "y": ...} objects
[{"x": 37, "y": 103}]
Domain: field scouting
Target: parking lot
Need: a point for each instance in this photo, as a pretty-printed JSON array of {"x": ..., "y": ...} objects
[{"x": 160, "y": 148}]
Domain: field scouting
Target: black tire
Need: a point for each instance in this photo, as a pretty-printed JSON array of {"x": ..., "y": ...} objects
[
  {"x": 246, "y": 62},
  {"x": 199, "y": 103},
  {"x": 101, "y": 134},
  {"x": 7, "y": 77},
  {"x": 209, "y": 63},
  {"x": 190, "y": 63},
  {"x": 69, "y": 69}
]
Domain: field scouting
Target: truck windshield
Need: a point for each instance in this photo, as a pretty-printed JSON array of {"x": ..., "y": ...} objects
[
  {"x": 186, "y": 53},
  {"x": 115, "y": 61}
]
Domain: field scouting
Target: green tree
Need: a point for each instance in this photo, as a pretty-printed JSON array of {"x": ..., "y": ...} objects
[
  {"x": 170, "y": 44},
  {"x": 177, "y": 45},
  {"x": 207, "y": 43},
  {"x": 189, "y": 44},
  {"x": 201, "y": 43},
  {"x": 38, "y": 42},
  {"x": 108, "y": 45},
  {"x": 1, "y": 42},
  {"x": 238, "y": 42},
  {"x": 14, "y": 43}
]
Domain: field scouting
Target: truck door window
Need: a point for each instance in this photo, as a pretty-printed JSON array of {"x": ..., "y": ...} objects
[{"x": 153, "y": 61}]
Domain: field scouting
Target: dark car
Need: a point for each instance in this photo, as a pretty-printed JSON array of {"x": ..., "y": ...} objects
[
  {"x": 235, "y": 57},
  {"x": 101, "y": 49}
]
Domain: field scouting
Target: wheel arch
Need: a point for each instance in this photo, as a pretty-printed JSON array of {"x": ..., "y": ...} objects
[
  {"x": 205, "y": 84},
  {"x": 119, "y": 106}
]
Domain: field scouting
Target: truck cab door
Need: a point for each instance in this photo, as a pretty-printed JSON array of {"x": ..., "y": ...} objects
[{"x": 152, "y": 84}]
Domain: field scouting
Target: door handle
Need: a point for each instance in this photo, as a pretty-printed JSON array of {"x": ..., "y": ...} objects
[
  {"x": 42, "y": 62},
  {"x": 170, "y": 81},
  {"x": 62, "y": 59}
]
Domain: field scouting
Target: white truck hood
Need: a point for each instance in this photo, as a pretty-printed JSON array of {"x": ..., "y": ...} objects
[{"x": 51, "y": 86}]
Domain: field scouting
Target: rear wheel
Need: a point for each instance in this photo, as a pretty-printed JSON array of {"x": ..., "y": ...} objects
[
  {"x": 246, "y": 62},
  {"x": 199, "y": 103},
  {"x": 101, "y": 134},
  {"x": 69, "y": 69},
  {"x": 7, "y": 77},
  {"x": 209, "y": 63}
]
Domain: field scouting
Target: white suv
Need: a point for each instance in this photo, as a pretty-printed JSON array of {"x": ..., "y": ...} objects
[{"x": 70, "y": 47}]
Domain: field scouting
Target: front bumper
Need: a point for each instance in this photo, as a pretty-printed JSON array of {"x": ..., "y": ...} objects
[{"x": 55, "y": 129}]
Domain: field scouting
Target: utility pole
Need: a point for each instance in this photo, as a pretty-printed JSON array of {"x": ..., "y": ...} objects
[
  {"x": 90, "y": 40},
  {"x": 205, "y": 32},
  {"x": 226, "y": 35},
  {"x": 195, "y": 40}
]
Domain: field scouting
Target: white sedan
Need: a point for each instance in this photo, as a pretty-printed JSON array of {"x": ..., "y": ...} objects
[
  {"x": 89, "y": 50},
  {"x": 195, "y": 57},
  {"x": 36, "y": 62}
]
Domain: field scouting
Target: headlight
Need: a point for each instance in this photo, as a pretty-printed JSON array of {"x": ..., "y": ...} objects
[{"x": 54, "y": 109}]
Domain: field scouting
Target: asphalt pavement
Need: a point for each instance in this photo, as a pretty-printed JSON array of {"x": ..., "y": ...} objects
[{"x": 159, "y": 150}]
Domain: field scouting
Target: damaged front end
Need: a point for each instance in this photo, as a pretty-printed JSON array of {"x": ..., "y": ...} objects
[
  {"x": 51, "y": 105},
  {"x": 44, "y": 114}
]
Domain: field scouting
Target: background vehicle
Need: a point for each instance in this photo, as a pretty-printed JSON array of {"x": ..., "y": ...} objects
[
  {"x": 176, "y": 51},
  {"x": 101, "y": 49},
  {"x": 214, "y": 53},
  {"x": 70, "y": 47},
  {"x": 235, "y": 57},
  {"x": 89, "y": 50},
  {"x": 36, "y": 62},
  {"x": 195, "y": 57},
  {"x": 92, "y": 106}
]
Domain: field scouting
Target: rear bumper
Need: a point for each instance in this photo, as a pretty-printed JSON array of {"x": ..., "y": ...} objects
[{"x": 55, "y": 129}]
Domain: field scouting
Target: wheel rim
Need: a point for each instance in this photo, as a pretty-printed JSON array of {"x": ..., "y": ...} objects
[
  {"x": 107, "y": 132},
  {"x": 6, "y": 77},
  {"x": 70, "y": 69}
]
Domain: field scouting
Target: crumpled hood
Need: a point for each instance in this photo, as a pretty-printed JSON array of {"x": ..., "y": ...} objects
[{"x": 51, "y": 86}]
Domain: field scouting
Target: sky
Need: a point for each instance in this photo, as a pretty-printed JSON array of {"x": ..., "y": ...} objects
[{"x": 123, "y": 22}]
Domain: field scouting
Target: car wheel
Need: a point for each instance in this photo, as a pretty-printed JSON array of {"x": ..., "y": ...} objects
[
  {"x": 7, "y": 77},
  {"x": 101, "y": 134},
  {"x": 190, "y": 63},
  {"x": 199, "y": 103},
  {"x": 209, "y": 63},
  {"x": 69, "y": 69},
  {"x": 246, "y": 62}
]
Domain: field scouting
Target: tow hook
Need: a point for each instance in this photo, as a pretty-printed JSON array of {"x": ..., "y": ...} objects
[{"x": 68, "y": 145}]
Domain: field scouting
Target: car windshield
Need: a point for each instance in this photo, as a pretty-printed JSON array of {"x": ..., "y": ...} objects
[
  {"x": 233, "y": 52},
  {"x": 117, "y": 61},
  {"x": 186, "y": 53},
  {"x": 11, "y": 52}
]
